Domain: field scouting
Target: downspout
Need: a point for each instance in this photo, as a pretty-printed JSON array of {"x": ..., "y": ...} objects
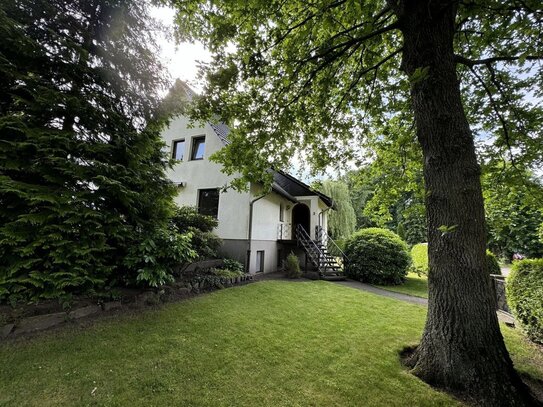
[{"x": 248, "y": 266}]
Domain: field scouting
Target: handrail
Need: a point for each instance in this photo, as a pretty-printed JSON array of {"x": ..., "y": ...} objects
[
  {"x": 325, "y": 239},
  {"x": 301, "y": 232}
]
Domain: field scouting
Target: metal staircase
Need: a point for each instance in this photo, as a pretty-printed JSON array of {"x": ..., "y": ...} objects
[{"x": 317, "y": 252}]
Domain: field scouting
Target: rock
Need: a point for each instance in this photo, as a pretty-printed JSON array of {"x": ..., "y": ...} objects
[
  {"x": 6, "y": 330},
  {"x": 183, "y": 291},
  {"x": 84, "y": 312},
  {"x": 108, "y": 306},
  {"x": 149, "y": 298},
  {"x": 40, "y": 322}
]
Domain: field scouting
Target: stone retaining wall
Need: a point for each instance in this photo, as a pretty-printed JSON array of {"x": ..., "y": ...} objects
[{"x": 170, "y": 293}]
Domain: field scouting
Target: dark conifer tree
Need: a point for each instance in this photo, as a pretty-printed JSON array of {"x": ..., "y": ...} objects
[{"x": 81, "y": 168}]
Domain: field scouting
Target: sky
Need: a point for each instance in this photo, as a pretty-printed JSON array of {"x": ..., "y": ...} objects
[{"x": 181, "y": 60}]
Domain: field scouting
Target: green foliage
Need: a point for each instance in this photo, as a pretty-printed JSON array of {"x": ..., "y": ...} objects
[
  {"x": 492, "y": 264},
  {"x": 292, "y": 266},
  {"x": 514, "y": 209},
  {"x": 419, "y": 254},
  {"x": 219, "y": 272},
  {"x": 525, "y": 296},
  {"x": 233, "y": 265},
  {"x": 81, "y": 166},
  {"x": 229, "y": 269},
  {"x": 187, "y": 220},
  {"x": 377, "y": 256},
  {"x": 341, "y": 220},
  {"x": 154, "y": 257}
]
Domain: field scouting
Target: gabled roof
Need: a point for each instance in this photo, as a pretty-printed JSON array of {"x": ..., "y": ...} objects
[
  {"x": 296, "y": 187},
  {"x": 220, "y": 129},
  {"x": 284, "y": 184}
]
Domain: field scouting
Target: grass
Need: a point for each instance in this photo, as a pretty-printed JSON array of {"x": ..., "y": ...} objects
[
  {"x": 414, "y": 285},
  {"x": 272, "y": 343}
]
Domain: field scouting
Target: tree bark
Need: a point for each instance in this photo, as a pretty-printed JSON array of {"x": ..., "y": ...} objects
[{"x": 462, "y": 349}]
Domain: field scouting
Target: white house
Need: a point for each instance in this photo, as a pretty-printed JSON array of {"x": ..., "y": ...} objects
[{"x": 258, "y": 228}]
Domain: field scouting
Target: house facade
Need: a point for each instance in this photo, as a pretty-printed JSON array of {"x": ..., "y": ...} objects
[{"x": 258, "y": 227}]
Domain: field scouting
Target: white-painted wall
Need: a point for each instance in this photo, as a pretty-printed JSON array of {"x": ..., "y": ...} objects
[
  {"x": 234, "y": 207},
  {"x": 233, "y": 213}
]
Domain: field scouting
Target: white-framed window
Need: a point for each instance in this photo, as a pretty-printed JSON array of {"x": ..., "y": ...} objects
[{"x": 281, "y": 212}]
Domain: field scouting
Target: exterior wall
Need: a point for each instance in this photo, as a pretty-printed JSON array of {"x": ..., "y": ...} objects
[
  {"x": 316, "y": 208},
  {"x": 266, "y": 218},
  {"x": 234, "y": 207},
  {"x": 204, "y": 174}
]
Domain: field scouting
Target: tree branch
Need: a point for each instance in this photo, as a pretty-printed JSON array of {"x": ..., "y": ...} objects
[
  {"x": 496, "y": 109},
  {"x": 486, "y": 61}
]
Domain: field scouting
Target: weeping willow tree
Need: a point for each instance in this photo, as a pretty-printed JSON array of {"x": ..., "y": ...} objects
[{"x": 342, "y": 220}]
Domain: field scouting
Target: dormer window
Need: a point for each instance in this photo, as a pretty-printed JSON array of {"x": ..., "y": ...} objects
[
  {"x": 178, "y": 150},
  {"x": 198, "y": 148}
]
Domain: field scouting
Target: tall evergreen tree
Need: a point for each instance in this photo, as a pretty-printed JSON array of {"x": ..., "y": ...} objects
[{"x": 81, "y": 168}]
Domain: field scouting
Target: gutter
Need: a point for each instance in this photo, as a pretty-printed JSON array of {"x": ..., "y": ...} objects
[{"x": 251, "y": 204}]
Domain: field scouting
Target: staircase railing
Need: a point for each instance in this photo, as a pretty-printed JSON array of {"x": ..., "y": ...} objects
[
  {"x": 310, "y": 247},
  {"x": 324, "y": 239}
]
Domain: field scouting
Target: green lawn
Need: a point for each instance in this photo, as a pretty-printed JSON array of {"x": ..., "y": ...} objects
[
  {"x": 272, "y": 343},
  {"x": 414, "y": 285}
]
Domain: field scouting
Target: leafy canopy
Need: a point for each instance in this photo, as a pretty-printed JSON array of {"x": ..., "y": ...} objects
[{"x": 327, "y": 75}]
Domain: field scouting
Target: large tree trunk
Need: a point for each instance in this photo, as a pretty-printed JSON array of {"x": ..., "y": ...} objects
[{"x": 462, "y": 349}]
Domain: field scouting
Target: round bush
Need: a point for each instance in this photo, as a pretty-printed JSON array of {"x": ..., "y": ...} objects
[
  {"x": 524, "y": 290},
  {"x": 492, "y": 263},
  {"x": 377, "y": 256}
]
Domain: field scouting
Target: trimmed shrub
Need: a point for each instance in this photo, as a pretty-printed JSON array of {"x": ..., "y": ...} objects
[
  {"x": 377, "y": 256},
  {"x": 292, "y": 266},
  {"x": 524, "y": 291},
  {"x": 419, "y": 255},
  {"x": 492, "y": 264}
]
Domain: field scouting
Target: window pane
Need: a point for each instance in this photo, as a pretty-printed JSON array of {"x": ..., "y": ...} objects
[
  {"x": 178, "y": 149},
  {"x": 208, "y": 202},
  {"x": 198, "y": 147}
]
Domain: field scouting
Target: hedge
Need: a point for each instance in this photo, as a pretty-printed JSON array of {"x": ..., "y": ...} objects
[{"x": 524, "y": 291}]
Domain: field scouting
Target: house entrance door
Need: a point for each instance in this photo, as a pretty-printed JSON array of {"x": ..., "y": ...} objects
[{"x": 301, "y": 215}]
